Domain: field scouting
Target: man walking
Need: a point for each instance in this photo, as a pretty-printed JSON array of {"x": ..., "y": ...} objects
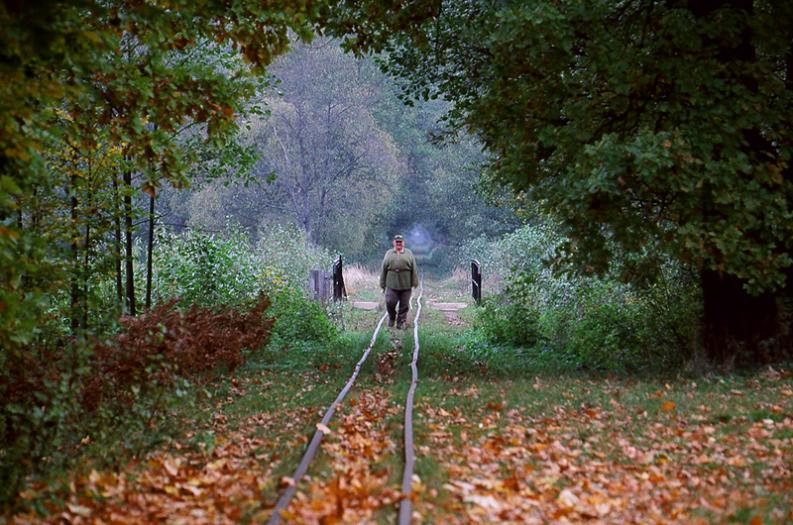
[{"x": 398, "y": 276}]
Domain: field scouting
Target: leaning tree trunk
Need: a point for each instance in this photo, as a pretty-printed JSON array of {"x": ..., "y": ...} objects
[{"x": 737, "y": 325}]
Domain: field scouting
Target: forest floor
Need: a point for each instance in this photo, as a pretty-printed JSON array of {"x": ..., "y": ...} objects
[{"x": 531, "y": 448}]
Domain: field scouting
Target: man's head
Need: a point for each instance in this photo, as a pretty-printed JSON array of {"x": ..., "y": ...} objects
[{"x": 399, "y": 243}]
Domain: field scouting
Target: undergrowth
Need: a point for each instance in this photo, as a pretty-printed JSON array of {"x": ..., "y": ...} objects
[{"x": 115, "y": 393}]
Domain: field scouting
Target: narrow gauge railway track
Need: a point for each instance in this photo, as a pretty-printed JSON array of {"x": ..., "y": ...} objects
[{"x": 405, "y": 507}]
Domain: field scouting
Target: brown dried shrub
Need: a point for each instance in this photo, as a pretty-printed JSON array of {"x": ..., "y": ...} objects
[{"x": 156, "y": 348}]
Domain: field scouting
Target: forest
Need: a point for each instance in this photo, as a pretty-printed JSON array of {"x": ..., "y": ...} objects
[{"x": 171, "y": 173}]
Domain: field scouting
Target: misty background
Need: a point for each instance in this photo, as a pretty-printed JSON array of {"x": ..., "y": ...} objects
[{"x": 342, "y": 160}]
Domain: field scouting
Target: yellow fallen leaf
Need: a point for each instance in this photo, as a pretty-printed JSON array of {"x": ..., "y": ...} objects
[
  {"x": 170, "y": 468},
  {"x": 215, "y": 465},
  {"x": 192, "y": 489},
  {"x": 80, "y": 510},
  {"x": 487, "y": 502}
]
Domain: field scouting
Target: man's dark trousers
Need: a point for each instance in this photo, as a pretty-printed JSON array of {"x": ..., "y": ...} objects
[{"x": 392, "y": 297}]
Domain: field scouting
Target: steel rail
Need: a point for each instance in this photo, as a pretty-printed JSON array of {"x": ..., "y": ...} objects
[
  {"x": 406, "y": 504},
  {"x": 313, "y": 446}
]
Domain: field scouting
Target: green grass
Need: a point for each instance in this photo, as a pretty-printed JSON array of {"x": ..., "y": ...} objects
[{"x": 467, "y": 377}]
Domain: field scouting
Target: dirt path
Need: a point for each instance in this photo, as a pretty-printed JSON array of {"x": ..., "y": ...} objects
[{"x": 450, "y": 310}]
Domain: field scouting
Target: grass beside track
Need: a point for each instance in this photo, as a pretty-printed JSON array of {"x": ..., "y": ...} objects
[{"x": 501, "y": 436}]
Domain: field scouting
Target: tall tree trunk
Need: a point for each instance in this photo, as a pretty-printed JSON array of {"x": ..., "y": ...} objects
[
  {"x": 129, "y": 269},
  {"x": 87, "y": 243},
  {"x": 150, "y": 251},
  {"x": 74, "y": 234},
  {"x": 787, "y": 342},
  {"x": 34, "y": 210},
  {"x": 738, "y": 325},
  {"x": 86, "y": 272},
  {"x": 117, "y": 241}
]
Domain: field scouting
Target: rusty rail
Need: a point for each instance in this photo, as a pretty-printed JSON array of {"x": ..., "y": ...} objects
[
  {"x": 313, "y": 446},
  {"x": 406, "y": 504}
]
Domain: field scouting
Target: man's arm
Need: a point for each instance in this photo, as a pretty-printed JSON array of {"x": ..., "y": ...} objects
[
  {"x": 383, "y": 272},
  {"x": 415, "y": 272}
]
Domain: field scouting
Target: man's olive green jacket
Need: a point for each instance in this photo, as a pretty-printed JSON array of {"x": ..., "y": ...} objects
[{"x": 399, "y": 270}]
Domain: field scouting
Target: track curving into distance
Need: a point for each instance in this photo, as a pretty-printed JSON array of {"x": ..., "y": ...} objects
[
  {"x": 313, "y": 446},
  {"x": 406, "y": 505}
]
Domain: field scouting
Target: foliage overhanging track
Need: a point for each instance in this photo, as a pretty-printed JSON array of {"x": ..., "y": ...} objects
[
  {"x": 406, "y": 505},
  {"x": 313, "y": 446}
]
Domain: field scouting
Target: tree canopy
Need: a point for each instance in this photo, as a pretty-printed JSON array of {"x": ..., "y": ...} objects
[
  {"x": 124, "y": 73},
  {"x": 650, "y": 129}
]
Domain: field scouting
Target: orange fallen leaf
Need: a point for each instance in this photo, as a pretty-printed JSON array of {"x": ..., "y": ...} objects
[{"x": 668, "y": 406}]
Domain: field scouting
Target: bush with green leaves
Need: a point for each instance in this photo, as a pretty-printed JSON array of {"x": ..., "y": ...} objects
[
  {"x": 205, "y": 269},
  {"x": 299, "y": 320},
  {"x": 510, "y": 318},
  {"x": 285, "y": 257},
  {"x": 594, "y": 323},
  {"x": 526, "y": 247}
]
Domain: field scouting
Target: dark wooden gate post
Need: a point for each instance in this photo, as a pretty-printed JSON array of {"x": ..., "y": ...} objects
[
  {"x": 314, "y": 279},
  {"x": 476, "y": 281},
  {"x": 339, "y": 290}
]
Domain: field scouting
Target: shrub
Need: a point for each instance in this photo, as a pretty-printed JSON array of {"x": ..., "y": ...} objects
[
  {"x": 509, "y": 318},
  {"x": 525, "y": 248},
  {"x": 205, "y": 269},
  {"x": 595, "y": 323},
  {"x": 53, "y": 396},
  {"x": 156, "y": 348},
  {"x": 607, "y": 326},
  {"x": 298, "y": 319},
  {"x": 286, "y": 257}
]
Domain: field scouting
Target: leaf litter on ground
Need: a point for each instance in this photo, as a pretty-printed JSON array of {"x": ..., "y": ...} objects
[{"x": 532, "y": 450}]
